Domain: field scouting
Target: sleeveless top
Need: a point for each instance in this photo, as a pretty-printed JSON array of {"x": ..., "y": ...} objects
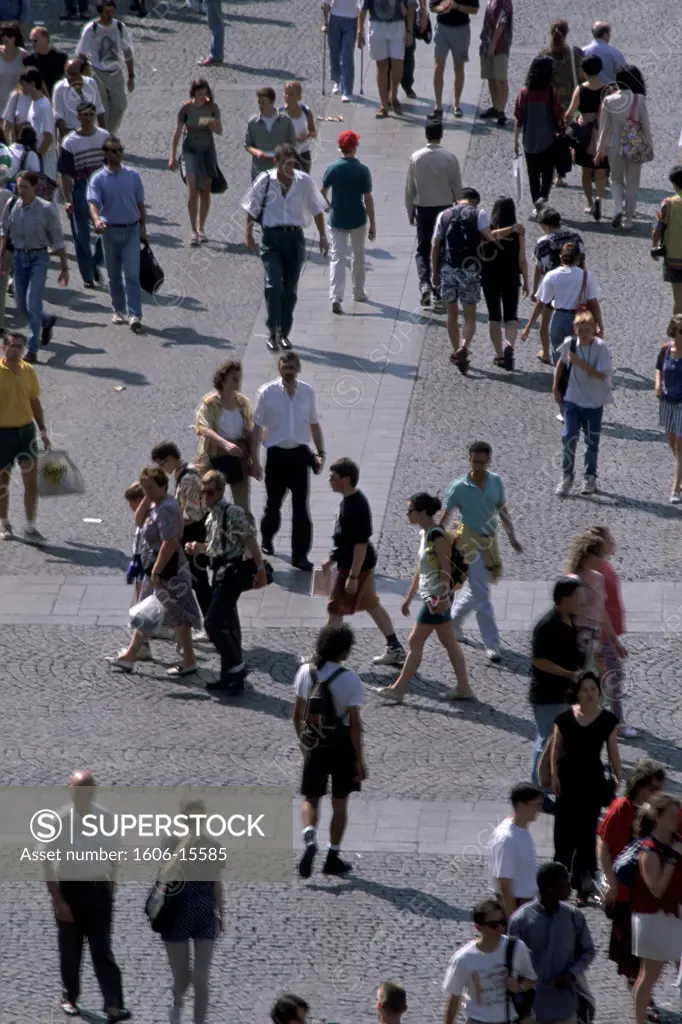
[
  {"x": 300, "y": 124},
  {"x": 590, "y": 100}
]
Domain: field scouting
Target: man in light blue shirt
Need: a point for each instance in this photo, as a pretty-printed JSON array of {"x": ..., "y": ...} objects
[
  {"x": 611, "y": 58},
  {"x": 479, "y": 498},
  {"x": 116, "y": 201}
]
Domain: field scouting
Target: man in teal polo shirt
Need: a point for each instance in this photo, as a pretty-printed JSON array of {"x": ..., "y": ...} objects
[
  {"x": 479, "y": 498},
  {"x": 351, "y": 208}
]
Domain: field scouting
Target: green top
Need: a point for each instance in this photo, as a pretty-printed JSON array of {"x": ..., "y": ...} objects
[
  {"x": 349, "y": 181},
  {"x": 197, "y": 135}
]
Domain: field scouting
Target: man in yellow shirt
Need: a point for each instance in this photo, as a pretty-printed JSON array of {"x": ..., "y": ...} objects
[{"x": 20, "y": 413}]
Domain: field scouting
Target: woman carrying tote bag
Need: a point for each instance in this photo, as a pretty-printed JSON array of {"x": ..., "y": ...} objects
[{"x": 625, "y": 137}]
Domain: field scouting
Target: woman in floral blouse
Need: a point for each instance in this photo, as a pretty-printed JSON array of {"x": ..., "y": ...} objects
[{"x": 224, "y": 423}]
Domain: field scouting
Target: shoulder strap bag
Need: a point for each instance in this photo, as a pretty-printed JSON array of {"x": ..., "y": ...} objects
[{"x": 562, "y": 383}]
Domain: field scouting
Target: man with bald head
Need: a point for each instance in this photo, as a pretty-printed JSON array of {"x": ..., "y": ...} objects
[
  {"x": 83, "y": 907},
  {"x": 74, "y": 89},
  {"x": 611, "y": 58},
  {"x": 49, "y": 62}
]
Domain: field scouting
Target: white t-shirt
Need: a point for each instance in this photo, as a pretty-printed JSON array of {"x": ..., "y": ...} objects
[
  {"x": 480, "y": 978},
  {"x": 41, "y": 119},
  {"x": 561, "y": 288},
  {"x": 106, "y": 45},
  {"x": 17, "y": 109},
  {"x": 346, "y": 690},
  {"x": 231, "y": 424},
  {"x": 31, "y": 163},
  {"x": 511, "y": 854},
  {"x": 344, "y": 8}
]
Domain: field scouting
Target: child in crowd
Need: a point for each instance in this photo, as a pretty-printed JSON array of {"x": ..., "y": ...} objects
[
  {"x": 610, "y": 664},
  {"x": 135, "y": 572}
]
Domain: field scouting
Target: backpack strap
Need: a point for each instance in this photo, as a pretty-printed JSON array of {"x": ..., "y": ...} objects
[{"x": 324, "y": 685}]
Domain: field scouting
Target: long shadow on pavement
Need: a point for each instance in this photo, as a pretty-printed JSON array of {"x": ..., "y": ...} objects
[
  {"x": 345, "y": 362},
  {"x": 404, "y": 897}
]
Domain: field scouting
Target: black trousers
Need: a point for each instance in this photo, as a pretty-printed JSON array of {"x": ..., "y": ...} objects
[
  {"x": 575, "y": 839},
  {"x": 407, "y": 81},
  {"x": 92, "y": 906},
  {"x": 222, "y": 625},
  {"x": 426, "y": 217},
  {"x": 198, "y": 565},
  {"x": 541, "y": 172},
  {"x": 288, "y": 469}
]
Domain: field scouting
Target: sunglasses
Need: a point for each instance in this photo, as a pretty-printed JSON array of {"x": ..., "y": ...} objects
[{"x": 208, "y": 490}]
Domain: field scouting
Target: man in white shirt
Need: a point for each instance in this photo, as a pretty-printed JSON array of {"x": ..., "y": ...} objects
[
  {"x": 283, "y": 201},
  {"x": 109, "y": 47},
  {"x": 70, "y": 92},
  {"x": 41, "y": 119},
  {"x": 478, "y": 971},
  {"x": 84, "y": 906},
  {"x": 611, "y": 57},
  {"x": 433, "y": 183},
  {"x": 285, "y": 418},
  {"x": 511, "y": 853},
  {"x": 329, "y": 730}
]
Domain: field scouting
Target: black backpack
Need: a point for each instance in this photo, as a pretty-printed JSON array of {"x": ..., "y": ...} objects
[
  {"x": 322, "y": 727},
  {"x": 462, "y": 237}
]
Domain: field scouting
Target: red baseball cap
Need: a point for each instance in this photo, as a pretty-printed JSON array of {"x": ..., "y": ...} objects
[{"x": 348, "y": 140}]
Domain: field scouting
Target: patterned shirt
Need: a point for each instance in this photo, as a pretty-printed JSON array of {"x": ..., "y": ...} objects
[
  {"x": 497, "y": 12},
  {"x": 227, "y": 530},
  {"x": 188, "y": 493}
]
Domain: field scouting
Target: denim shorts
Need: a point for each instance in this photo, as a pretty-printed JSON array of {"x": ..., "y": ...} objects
[{"x": 458, "y": 285}]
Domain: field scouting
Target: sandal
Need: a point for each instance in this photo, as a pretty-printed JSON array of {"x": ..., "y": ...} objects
[
  {"x": 397, "y": 107},
  {"x": 498, "y": 361},
  {"x": 381, "y": 113},
  {"x": 541, "y": 358},
  {"x": 653, "y": 1013},
  {"x": 388, "y": 693}
]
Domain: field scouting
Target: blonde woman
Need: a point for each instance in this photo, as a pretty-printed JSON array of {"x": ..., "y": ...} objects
[
  {"x": 585, "y": 559},
  {"x": 304, "y": 124},
  {"x": 224, "y": 423},
  {"x": 668, "y": 387},
  {"x": 197, "y": 916}
]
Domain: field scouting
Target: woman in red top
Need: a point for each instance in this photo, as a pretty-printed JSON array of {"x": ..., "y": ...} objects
[
  {"x": 615, "y": 831},
  {"x": 656, "y": 895},
  {"x": 609, "y": 660}
]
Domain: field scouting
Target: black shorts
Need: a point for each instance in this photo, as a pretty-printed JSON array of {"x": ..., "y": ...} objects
[
  {"x": 321, "y": 763},
  {"x": 673, "y": 275},
  {"x": 502, "y": 302}
]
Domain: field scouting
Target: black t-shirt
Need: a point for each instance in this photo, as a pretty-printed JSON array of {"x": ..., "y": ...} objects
[
  {"x": 51, "y": 66},
  {"x": 353, "y": 526},
  {"x": 555, "y": 641},
  {"x": 501, "y": 261},
  {"x": 580, "y": 764},
  {"x": 456, "y": 18}
]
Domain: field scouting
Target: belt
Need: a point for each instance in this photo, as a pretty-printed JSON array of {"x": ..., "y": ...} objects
[
  {"x": 282, "y": 227},
  {"x": 42, "y": 248},
  {"x": 557, "y": 309},
  {"x": 132, "y": 224}
]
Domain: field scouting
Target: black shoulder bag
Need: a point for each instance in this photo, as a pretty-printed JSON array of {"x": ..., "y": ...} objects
[
  {"x": 562, "y": 383},
  {"x": 522, "y": 1002}
]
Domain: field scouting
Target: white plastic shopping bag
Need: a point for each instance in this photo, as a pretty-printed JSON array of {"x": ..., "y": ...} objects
[
  {"x": 519, "y": 173},
  {"x": 148, "y": 615},
  {"x": 58, "y": 476}
]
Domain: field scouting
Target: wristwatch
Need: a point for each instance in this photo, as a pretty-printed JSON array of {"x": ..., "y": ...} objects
[{"x": 260, "y": 568}]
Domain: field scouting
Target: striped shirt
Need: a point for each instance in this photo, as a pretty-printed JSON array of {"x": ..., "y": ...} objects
[{"x": 82, "y": 155}]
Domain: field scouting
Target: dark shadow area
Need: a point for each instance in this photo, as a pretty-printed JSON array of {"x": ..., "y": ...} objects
[
  {"x": 172, "y": 302},
  {"x": 656, "y": 508},
  {"x": 156, "y": 163},
  {"x": 59, "y": 354},
  {"x": 87, "y": 554},
  {"x": 166, "y": 241},
  {"x": 281, "y": 666},
  {"x": 263, "y": 703},
  {"x": 635, "y": 382},
  {"x": 346, "y": 362},
  {"x": 530, "y": 381},
  {"x": 153, "y": 219},
  {"x": 267, "y": 73},
  {"x": 232, "y": 248},
  {"x": 404, "y": 898},
  {"x": 626, "y": 433},
  {"x": 173, "y": 336},
  {"x": 380, "y": 254},
  {"x": 484, "y": 714},
  {"x": 250, "y": 20}
]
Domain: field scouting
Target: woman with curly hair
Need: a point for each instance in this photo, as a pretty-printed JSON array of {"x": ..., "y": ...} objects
[
  {"x": 224, "y": 423},
  {"x": 668, "y": 388},
  {"x": 584, "y": 561}
]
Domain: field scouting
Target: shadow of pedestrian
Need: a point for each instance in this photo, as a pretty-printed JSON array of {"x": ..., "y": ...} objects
[{"x": 402, "y": 897}]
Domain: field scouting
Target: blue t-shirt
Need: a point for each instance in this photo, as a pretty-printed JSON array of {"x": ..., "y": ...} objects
[
  {"x": 349, "y": 180},
  {"x": 671, "y": 375},
  {"x": 478, "y": 506},
  {"x": 117, "y": 195}
]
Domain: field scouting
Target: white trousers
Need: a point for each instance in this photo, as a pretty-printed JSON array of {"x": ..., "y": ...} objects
[
  {"x": 338, "y": 251},
  {"x": 475, "y": 597}
]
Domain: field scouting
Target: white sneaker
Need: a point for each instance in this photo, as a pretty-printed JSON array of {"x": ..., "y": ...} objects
[
  {"x": 560, "y": 417},
  {"x": 335, "y": 89},
  {"x": 174, "y": 1012},
  {"x": 675, "y": 499},
  {"x": 391, "y": 656},
  {"x": 564, "y": 486},
  {"x": 493, "y": 656},
  {"x": 135, "y": 324},
  {"x": 6, "y": 532},
  {"x": 345, "y": 98},
  {"x": 119, "y": 318},
  {"x": 589, "y": 485}
]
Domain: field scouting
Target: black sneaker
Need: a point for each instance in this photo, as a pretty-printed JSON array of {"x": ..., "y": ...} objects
[
  {"x": 267, "y": 547},
  {"x": 489, "y": 115},
  {"x": 435, "y": 115},
  {"x": 233, "y": 684},
  {"x": 272, "y": 343},
  {"x": 305, "y": 864},
  {"x": 47, "y": 330},
  {"x": 425, "y": 298},
  {"x": 114, "y": 1016},
  {"x": 284, "y": 342},
  {"x": 31, "y": 357},
  {"x": 508, "y": 357},
  {"x": 333, "y": 865},
  {"x": 304, "y": 564},
  {"x": 97, "y": 274},
  {"x": 617, "y": 220},
  {"x": 501, "y": 120},
  {"x": 596, "y": 210}
]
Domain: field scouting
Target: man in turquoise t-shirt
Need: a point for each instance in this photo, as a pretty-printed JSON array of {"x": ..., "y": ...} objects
[
  {"x": 479, "y": 498},
  {"x": 351, "y": 207}
]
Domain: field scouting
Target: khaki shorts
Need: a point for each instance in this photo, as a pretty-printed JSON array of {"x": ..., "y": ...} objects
[
  {"x": 496, "y": 67},
  {"x": 364, "y": 599}
]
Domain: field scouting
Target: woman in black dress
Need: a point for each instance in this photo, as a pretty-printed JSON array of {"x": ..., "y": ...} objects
[
  {"x": 503, "y": 268},
  {"x": 586, "y": 102},
  {"x": 579, "y": 783}
]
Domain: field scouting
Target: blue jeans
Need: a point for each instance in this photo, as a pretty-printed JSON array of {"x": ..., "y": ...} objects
[
  {"x": 76, "y": 6},
  {"x": 575, "y": 419},
  {"x": 30, "y": 271},
  {"x": 560, "y": 328},
  {"x": 545, "y": 715},
  {"x": 216, "y": 24},
  {"x": 342, "y": 33},
  {"x": 80, "y": 229},
  {"x": 122, "y": 258}
]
